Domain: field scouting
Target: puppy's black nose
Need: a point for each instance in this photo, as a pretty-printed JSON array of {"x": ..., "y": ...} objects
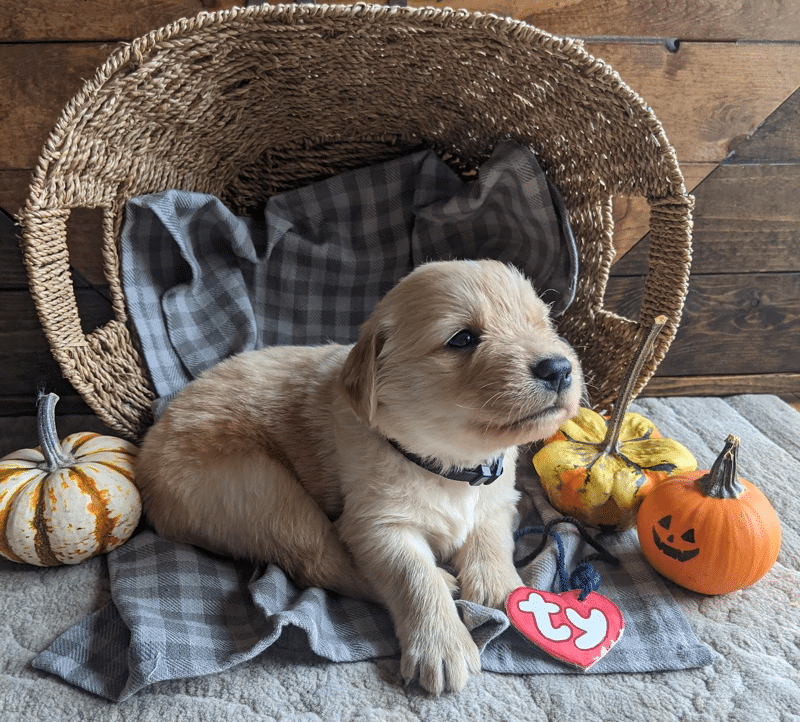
[{"x": 554, "y": 372}]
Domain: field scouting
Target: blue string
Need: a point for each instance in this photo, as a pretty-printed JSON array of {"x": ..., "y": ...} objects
[{"x": 584, "y": 577}]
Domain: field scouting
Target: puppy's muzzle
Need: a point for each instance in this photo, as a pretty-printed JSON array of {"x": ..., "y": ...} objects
[{"x": 554, "y": 372}]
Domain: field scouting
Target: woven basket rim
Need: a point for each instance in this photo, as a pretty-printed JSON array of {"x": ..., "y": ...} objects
[
  {"x": 595, "y": 68},
  {"x": 79, "y": 354}
]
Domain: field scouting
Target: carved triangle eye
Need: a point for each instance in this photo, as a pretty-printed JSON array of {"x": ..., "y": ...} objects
[
  {"x": 688, "y": 536},
  {"x": 665, "y": 521}
]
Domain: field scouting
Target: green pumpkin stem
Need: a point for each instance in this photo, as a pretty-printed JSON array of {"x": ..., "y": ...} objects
[
  {"x": 722, "y": 481},
  {"x": 48, "y": 438},
  {"x": 611, "y": 441}
]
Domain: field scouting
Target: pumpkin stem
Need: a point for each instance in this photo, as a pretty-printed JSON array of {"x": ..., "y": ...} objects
[
  {"x": 48, "y": 438},
  {"x": 722, "y": 481},
  {"x": 611, "y": 441}
]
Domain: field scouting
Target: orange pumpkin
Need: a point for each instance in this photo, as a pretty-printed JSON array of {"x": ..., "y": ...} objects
[{"x": 710, "y": 531}]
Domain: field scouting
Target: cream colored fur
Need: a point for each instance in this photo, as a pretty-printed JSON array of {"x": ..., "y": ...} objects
[{"x": 281, "y": 455}]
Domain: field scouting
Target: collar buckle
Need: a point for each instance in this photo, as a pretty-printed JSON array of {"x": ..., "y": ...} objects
[{"x": 486, "y": 474}]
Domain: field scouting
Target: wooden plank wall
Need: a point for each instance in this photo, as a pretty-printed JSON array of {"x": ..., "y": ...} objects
[
  {"x": 48, "y": 48},
  {"x": 722, "y": 77}
]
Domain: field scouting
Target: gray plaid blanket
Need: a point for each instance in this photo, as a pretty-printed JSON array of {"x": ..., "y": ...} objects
[
  {"x": 182, "y": 612},
  {"x": 202, "y": 284}
]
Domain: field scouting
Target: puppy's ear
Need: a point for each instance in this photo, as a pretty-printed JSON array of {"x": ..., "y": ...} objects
[{"x": 360, "y": 372}]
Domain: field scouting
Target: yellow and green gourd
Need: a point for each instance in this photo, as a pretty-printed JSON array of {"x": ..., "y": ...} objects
[
  {"x": 65, "y": 502},
  {"x": 598, "y": 470}
]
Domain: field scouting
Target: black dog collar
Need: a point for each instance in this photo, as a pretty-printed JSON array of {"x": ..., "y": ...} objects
[{"x": 481, "y": 474}]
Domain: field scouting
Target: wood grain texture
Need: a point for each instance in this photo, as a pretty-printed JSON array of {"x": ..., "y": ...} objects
[
  {"x": 759, "y": 218},
  {"x": 58, "y": 20},
  {"x": 781, "y": 384},
  {"x": 686, "y": 19},
  {"x": 733, "y": 324},
  {"x": 776, "y": 140},
  {"x": 17, "y": 406},
  {"x": 25, "y": 358},
  {"x": 793, "y": 399},
  {"x": 14, "y": 189},
  {"x": 708, "y": 96},
  {"x": 748, "y": 217},
  {"x": 40, "y": 79},
  {"x": 12, "y": 272},
  {"x": 745, "y": 217},
  {"x": 71, "y": 418}
]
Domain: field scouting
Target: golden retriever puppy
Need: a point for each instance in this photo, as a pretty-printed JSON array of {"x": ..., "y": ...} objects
[{"x": 350, "y": 467}]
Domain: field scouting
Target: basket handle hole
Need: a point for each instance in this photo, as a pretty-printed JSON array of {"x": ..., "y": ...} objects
[
  {"x": 92, "y": 293},
  {"x": 631, "y": 224},
  {"x": 626, "y": 283}
]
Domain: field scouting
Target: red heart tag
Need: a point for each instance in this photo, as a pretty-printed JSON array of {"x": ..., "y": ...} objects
[{"x": 577, "y": 632}]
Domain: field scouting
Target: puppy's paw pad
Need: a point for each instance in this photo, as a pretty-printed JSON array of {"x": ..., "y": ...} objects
[{"x": 443, "y": 663}]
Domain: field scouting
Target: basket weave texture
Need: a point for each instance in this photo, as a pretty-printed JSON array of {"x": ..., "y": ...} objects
[{"x": 252, "y": 101}]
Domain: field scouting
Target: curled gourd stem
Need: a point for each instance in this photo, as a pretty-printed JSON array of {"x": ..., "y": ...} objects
[
  {"x": 722, "y": 480},
  {"x": 611, "y": 441},
  {"x": 48, "y": 438}
]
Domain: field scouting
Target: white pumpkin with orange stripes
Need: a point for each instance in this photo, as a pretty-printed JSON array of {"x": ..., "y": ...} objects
[{"x": 66, "y": 501}]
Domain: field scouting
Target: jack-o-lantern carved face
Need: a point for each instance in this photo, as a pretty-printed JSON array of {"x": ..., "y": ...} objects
[
  {"x": 681, "y": 555},
  {"x": 710, "y": 531}
]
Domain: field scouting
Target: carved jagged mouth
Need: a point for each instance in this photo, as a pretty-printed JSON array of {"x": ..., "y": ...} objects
[{"x": 672, "y": 552}]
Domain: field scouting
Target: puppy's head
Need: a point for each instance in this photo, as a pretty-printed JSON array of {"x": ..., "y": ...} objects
[{"x": 461, "y": 359}]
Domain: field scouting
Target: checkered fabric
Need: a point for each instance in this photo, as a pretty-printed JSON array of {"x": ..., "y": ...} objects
[
  {"x": 181, "y": 612},
  {"x": 209, "y": 284},
  {"x": 202, "y": 283}
]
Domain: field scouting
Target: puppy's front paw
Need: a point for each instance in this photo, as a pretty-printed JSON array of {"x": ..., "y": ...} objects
[
  {"x": 450, "y": 581},
  {"x": 488, "y": 585},
  {"x": 441, "y": 658}
]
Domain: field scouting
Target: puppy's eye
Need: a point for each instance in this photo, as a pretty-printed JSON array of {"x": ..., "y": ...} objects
[{"x": 464, "y": 339}]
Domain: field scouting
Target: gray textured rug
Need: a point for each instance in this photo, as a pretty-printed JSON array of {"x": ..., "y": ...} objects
[{"x": 754, "y": 631}]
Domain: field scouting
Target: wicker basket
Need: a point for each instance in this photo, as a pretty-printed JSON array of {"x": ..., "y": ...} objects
[{"x": 251, "y": 101}]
